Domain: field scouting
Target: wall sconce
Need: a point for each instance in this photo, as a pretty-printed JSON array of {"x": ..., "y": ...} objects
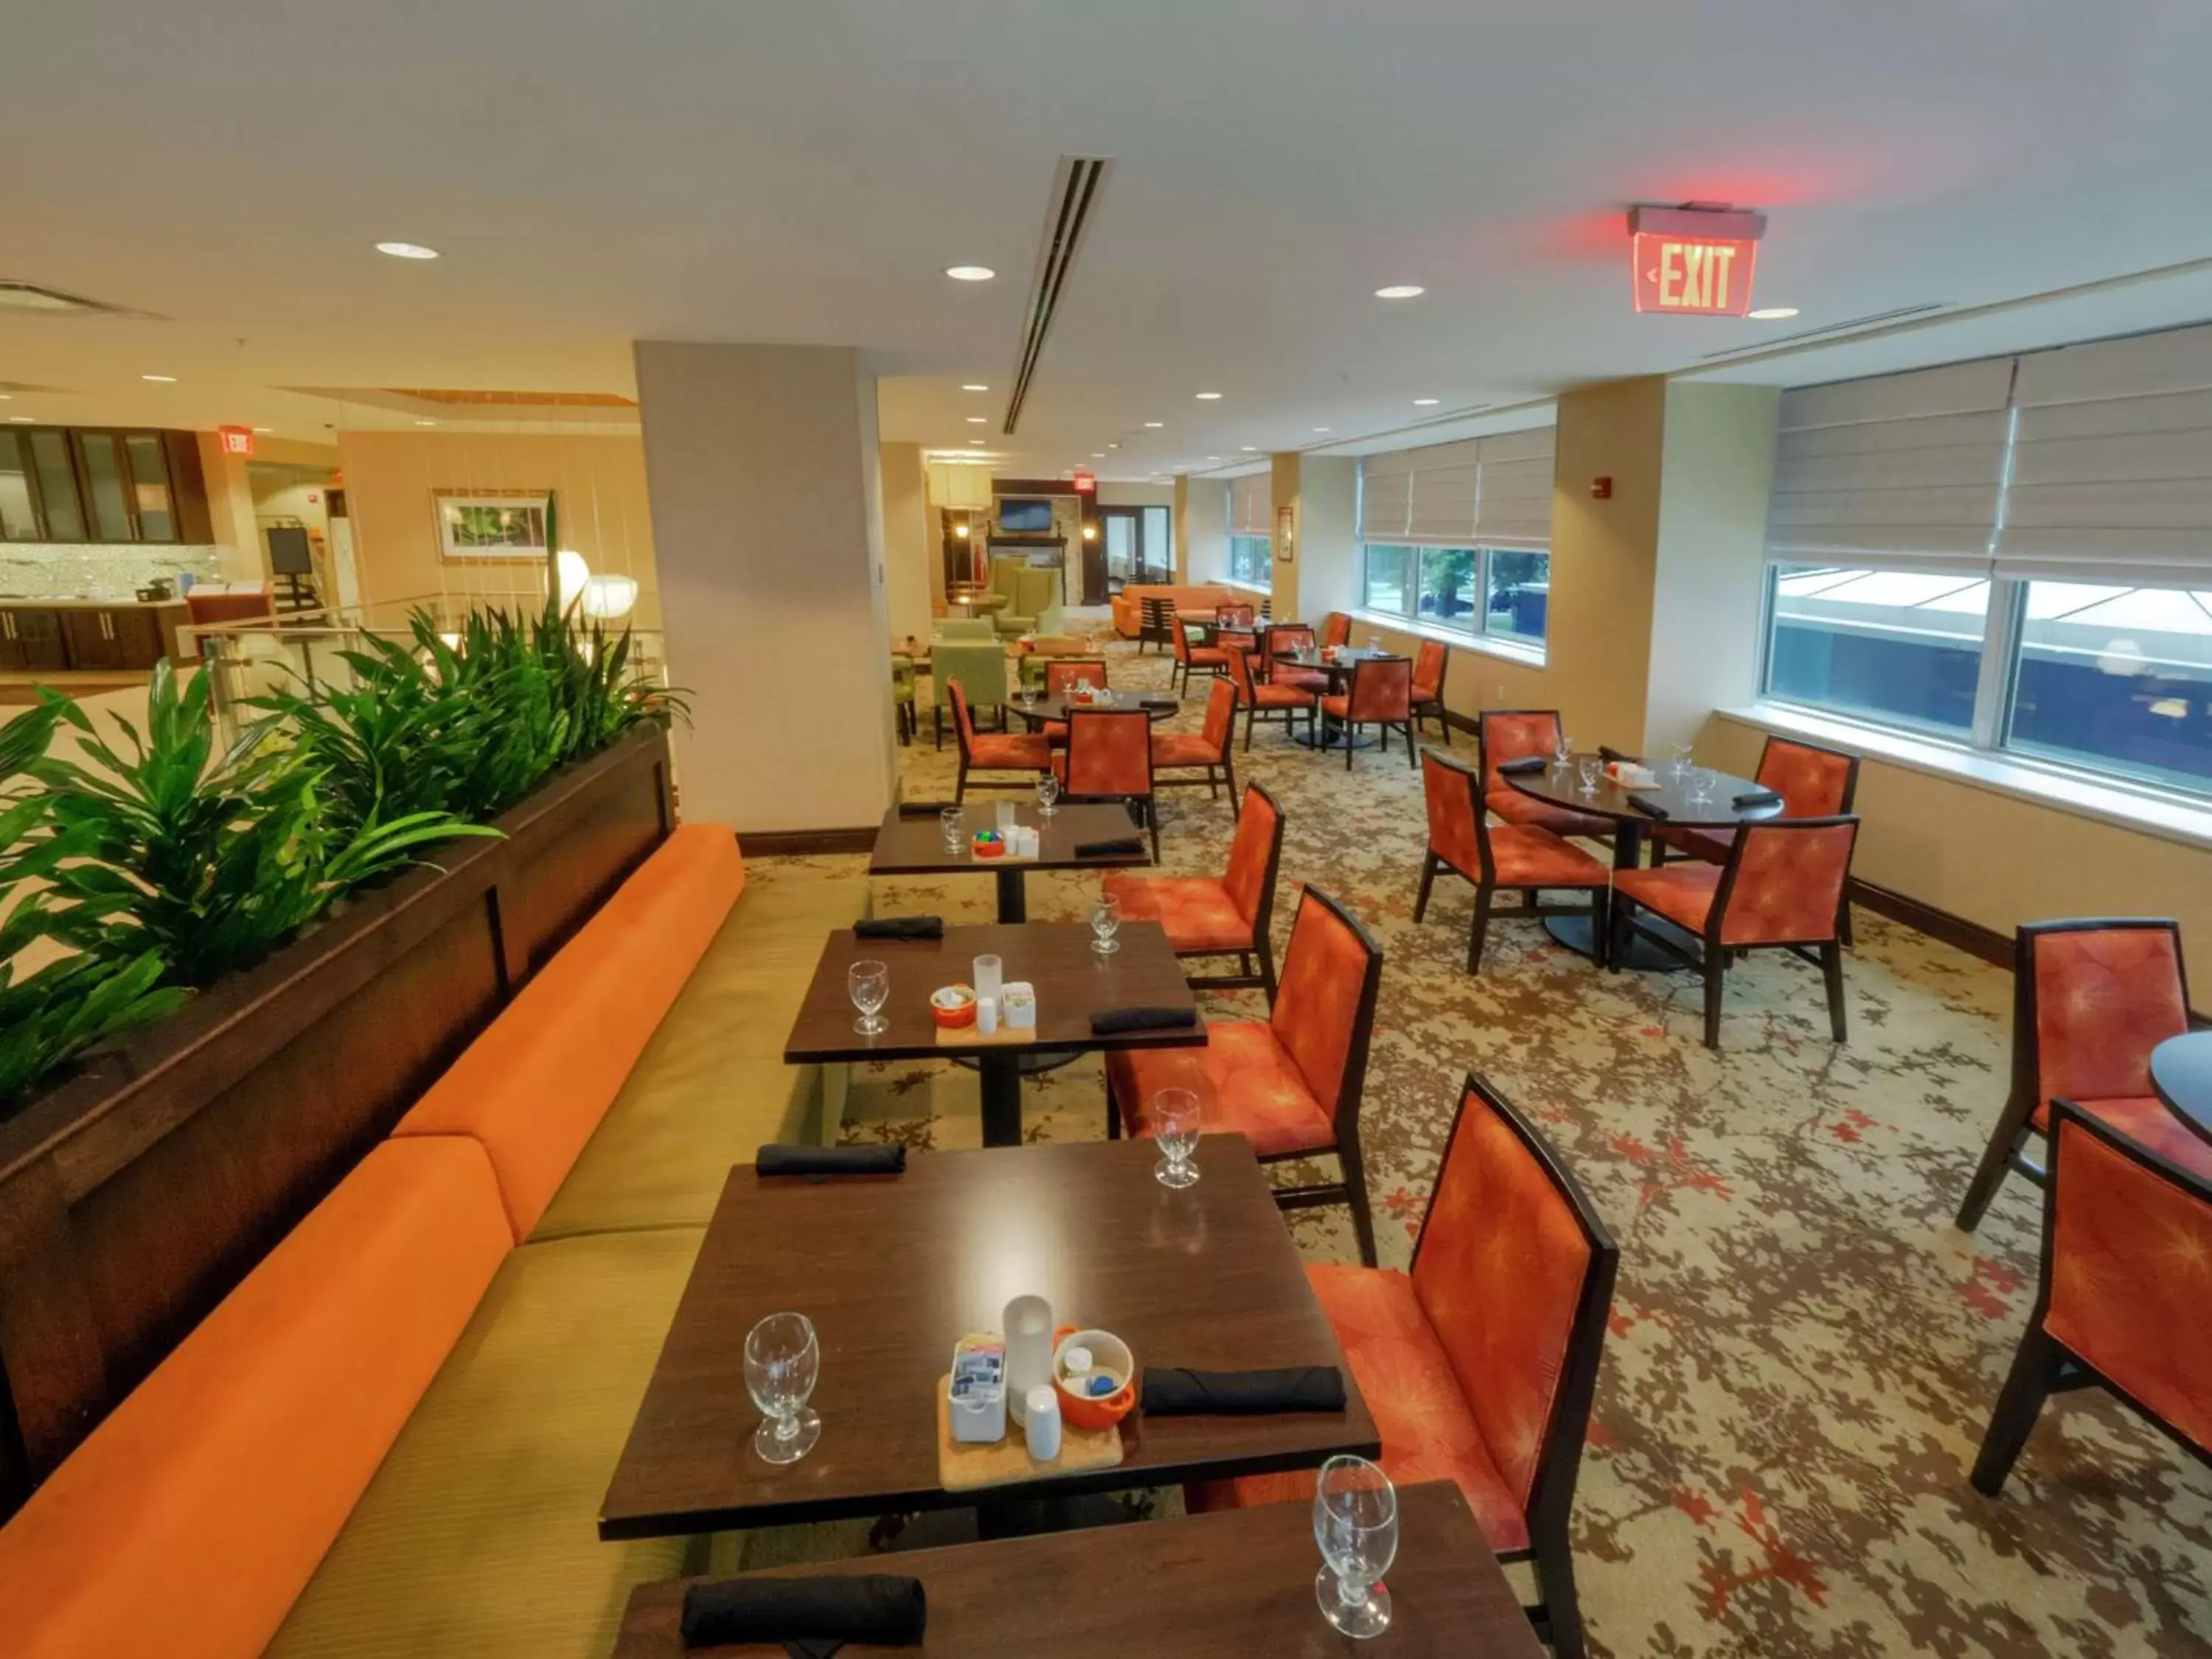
[
  {"x": 570, "y": 573},
  {"x": 605, "y": 597},
  {"x": 961, "y": 530},
  {"x": 1090, "y": 531}
]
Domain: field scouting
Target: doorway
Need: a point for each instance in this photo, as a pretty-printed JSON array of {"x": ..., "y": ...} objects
[{"x": 1138, "y": 546}]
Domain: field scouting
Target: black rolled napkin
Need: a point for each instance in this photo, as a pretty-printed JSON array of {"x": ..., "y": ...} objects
[
  {"x": 1172, "y": 1391},
  {"x": 900, "y": 927},
  {"x": 1093, "y": 849},
  {"x": 812, "y": 1616},
  {"x": 776, "y": 1159},
  {"x": 1647, "y": 805},
  {"x": 1610, "y": 755},
  {"x": 1522, "y": 768},
  {"x": 1168, "y": 704},
  {"x": 923, "y": 809},
  {"x": 1751, "y": 798},
  {"x": 1114, "y": 1020}
]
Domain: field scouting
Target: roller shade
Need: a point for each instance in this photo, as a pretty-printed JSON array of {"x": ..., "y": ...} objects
[
  {"x": 1903, "y": 472},
  {"x": 1515, "y": 505},
  {"x": 1386, "y": 502},
  {"x": 1251, "y": 505},
  {"x": 2112, "y": 468},
  {"x": 1480, "y": 491}
]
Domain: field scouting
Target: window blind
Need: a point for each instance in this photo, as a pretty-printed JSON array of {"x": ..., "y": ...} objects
[
  {"x": 1386, "y": 501},
  {"x": 1251, "y": 505},
  {"x": 2112, "y": 468},
  {"x": 1903, "y": 472},
  {"x": 1517, "y": 489},
  {"x": 1461, "y": 495}
]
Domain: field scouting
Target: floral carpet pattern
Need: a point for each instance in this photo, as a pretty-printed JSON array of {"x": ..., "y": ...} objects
[{"x": 1803, "y": 1351}]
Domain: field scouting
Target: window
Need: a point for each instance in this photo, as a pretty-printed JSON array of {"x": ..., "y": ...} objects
[
  {"x": 1252, "y": 559},
  {"x": 1502, "y": 593},
  {"x": 19, "y": 520},
  {"x": 1888, "y": 645},
  {"x": 2116, "y": 678}
]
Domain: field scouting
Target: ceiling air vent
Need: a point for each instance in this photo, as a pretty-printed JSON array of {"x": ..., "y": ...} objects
[
  {"x": 1075, "y": 187},
  {"x": 29, "y": 297}
]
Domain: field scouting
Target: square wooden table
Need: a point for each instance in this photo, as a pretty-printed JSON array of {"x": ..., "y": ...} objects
[
  {"x": 914, "y": 846},
  {"x": 1073, "y": 983},
  {"x": 1196, "y": 1586},
  {"x": 894, "y": 1270}
]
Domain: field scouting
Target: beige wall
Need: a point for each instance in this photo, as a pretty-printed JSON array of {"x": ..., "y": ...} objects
[
  {"x": 1283, "y": 491},
  {"x": 913, "y": 574},
  {"x": 1327, "y": 534},
  {"x": 764, "y": 472},
  {"x": 231, "y": 511},
  {"x": 599, "y": 481},
  {"x": 1201, "y": 529}
]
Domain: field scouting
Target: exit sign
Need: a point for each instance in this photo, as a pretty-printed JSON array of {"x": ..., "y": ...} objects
[
  {"x": 1694, "y": 262},
  {"x": 236, "y": 440},
  {"x": 1086, "y": 483}
]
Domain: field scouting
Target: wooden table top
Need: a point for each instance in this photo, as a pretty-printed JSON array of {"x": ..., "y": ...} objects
[
  {"x": 894, "y": 1270},
  {"x": 1345, "y": 660},
  {"x": 1055, "y": 706},
  {"x": 2181, "y": 1071},
  {"x": 1564, "y": 789},
  {"x": 1073, "y": 983},
  {"x": 1196, "y": 1586},
  {"x": 915, "y": 846}
]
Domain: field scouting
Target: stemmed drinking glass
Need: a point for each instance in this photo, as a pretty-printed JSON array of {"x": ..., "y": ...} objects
[
  {"x": 1356, "y": 1524},
  {"x": 1175, "y": 1126},
  {"x": 870, "y": 983},
  {"x": 1105, "y": 921},
  {"x": 782, "y": 1362},
  {"x": 1681, "y": 761},
  {"x": 1701, "y": 784},
  {"x": 1563, "y": 750},
  {"x": 1588, "y": 768},
  {"x": 1048, "y": 793}
]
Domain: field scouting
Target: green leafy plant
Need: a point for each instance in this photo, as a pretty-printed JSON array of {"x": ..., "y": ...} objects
[{"x": 49, "y": 1018}]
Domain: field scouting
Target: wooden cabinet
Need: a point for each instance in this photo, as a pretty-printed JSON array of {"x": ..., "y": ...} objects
[
  {"x": 119, "y": 639},
  {"x": 31, "y": 642},
  {"x": 93, "y": 641}
]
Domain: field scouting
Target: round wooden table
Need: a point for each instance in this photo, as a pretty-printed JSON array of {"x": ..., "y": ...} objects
[
  {"x": 2181, "y": 1071},
  {"x": 1561, "y": 786}
]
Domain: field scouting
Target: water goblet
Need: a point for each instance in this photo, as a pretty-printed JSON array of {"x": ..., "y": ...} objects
[
  {"x": 1701, "y": 784},
  {"x": 952, "y": 822},
  {"x": 1356, "y": 1524},
  {"x": 1175, "y": 1126},
  {"x": 782, "y": 1362},
  {"x": 1588, "y": 767},
  {"x": 1681, "y": 765},
  {"x": 1047, "y": 792},
  {"x": 870, "y": 984},
  {"x": 1563, "y": 750},
  {"x": 1105, "y": 921}
]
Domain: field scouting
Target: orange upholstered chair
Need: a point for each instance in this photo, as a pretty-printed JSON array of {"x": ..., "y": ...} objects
[
  {"x": 1512, "y": 858},
  {"x": 1205, "y": 751},
  {"x": 1110, "y": 757},
  {"x": 1335, "y": 629},
  {"x": 2090, "y": 999},
  {"x": 1233, "y": 629},
  {"x": 1291, "y": 1085},
  {"x": 2127, "y": 1276},
  {"x": 1232, "y": 916},
  {"x": 1189, "y": 658},
  {"x": 1480, "y": 1364},
  {"x": 1781, "y": 889},
  {"x": 1291, "y": 637},
  {"x": 1431, "y": 664},
  {"x": 1380, "y": 695},
  {"x": 1265, "y": 697},
  {"x": 1518, "y": 734},
  {"x": 1062, "y": 674},
  {"x": 992, "y": 751},
  {"x": 1813, "y": 783}
]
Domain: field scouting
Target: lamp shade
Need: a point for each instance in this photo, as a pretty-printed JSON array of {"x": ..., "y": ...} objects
[{"x": 605, "y": 597}]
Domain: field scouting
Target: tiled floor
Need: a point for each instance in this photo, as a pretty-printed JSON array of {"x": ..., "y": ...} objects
[{"x": 1803, "y": 1350}]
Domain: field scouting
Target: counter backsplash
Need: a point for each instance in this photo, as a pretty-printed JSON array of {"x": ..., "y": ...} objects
[{"x": 64, "y": 570}]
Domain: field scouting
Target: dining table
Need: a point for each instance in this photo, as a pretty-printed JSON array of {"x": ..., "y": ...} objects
[
  {"x": 910, "y": 841},
  {"x": 893, "y": 1270},
  {"x": 1107, "y": 700},
  {"x": 1071, "y": 979},
  {"x": 1237, "y": 1582},
  {"x": 2181, "y": 1073},
  {"x": 1692, "y": 798}
]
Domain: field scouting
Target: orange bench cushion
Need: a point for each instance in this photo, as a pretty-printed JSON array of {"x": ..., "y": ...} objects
[
  {"x": 534, "y": 1086},
  {"x": 1128, "y": 607},
  {"x": 190, "y": 1521}
]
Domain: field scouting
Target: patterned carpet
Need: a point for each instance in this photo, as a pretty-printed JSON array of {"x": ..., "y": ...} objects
[{"x": 1803, "y": 1351}]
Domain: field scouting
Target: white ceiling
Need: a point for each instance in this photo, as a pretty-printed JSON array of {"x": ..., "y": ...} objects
[{"x": 802, "y": 173}]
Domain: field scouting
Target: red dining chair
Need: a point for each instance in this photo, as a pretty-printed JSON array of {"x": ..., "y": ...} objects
[
  {"x": 2126, "y": 1277},
  {"x": 1480, "y": 1364},
  {"x": 1505, "y": 736},
  {"x": 1230, "y": 916},
  {"x": 1380, "y": 695},
  {"x": 992, "y": 751},
  {"x": 1189, "y": 658},
  {"x": 1431, "y": 664},
  {"x": 1770, "y": 895},
  {"x": 1207, "y": 751},
  {"x": 2090, "y": 999},
  {"x": 1335, "y": 629},
  {"x": 1289, "y": 1084},
  {"x": 1512, "y": 858},
  {"x": 1263, "y": 698},
  {"x": 1110, "y": 757},
  {"x": 1813, "y": 783},
  {"x": 1233, "y": 627},
  {"x": 1061, "y": 675},
  {"x": 1292, "y": 637}
]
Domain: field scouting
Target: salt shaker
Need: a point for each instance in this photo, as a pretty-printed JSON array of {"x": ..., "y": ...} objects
[{"x": 1040, "y": 1423}]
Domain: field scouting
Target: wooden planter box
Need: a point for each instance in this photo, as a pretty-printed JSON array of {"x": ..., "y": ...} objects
[{"x": 137, "y": 1192}]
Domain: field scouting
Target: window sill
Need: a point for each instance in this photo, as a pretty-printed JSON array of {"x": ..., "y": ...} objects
[
  {"x": 1244, "y": 588},
  {"x": 2003, "y": 774},
  {"x": 1531, "y": 656}
]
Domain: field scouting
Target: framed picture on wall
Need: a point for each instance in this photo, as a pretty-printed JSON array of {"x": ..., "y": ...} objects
[
  {"x": 512, "y": 524},
  {"x": 1286, "y": 522}
]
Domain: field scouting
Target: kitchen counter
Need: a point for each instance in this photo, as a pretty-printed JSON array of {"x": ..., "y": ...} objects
[
  {"x": 47, "y": 635},
  {"x": 75, "y": 602}
]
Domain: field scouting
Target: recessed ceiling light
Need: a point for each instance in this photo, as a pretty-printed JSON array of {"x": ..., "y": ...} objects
[
  {"x": 1422, "y": 402},
  {"x": 972, "y": 386},
  {"x": 976, "y": 441},
  {"x": 7, "y": 397},
  {"x": 1321, "y": 428},
  {"x": 407, "y": 250},
  {"x": 23, "y": 420},
  {"x": 160, "y": 380},
  {"x": 1113, "y": 445},
  {"x": 979, "y": 420},
  {"x": 1209, "y": 397},
  {"x": 426, "y": 423},
  {"x": 1249, "y": 449},
  {"x": 1400, "y": 291},
  {"x": 1155, "y": 423},
  {"x": 265, "y": 429},
  {"x": 1772, "y": 314},
  {"x": 1097, "y": 454},
  {"x": 1213, "y": 457},
  {"x": 969, "y": 273}
]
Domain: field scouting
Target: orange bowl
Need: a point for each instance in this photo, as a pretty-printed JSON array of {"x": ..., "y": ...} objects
[
  {"x": 1108, "y": 1353},
  {"x": 952, "y": 1006}
]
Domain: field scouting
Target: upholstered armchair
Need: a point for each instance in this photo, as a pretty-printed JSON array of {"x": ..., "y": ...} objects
[
  {"x": 1480, "y": 1364},
  {"x": 1036, "y": 606},
  {"x": 965, "y": 628},
  {"x": 981, "y": 668}
]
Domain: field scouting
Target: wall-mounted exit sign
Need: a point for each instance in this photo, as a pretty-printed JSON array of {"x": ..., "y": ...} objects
[
  {"x": 236, "y": 440},
  {"x": 1694, "y": 262},
  {"x": 1085, "y": 484}
]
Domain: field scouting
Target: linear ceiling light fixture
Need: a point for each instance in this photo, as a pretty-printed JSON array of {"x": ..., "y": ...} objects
[
  {"x": 1078, "y": 183},
  {"x": 407, "y": 250}
]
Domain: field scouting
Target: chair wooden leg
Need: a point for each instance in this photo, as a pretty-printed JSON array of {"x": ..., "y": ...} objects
[
  {"x": 1995, "y": 1164},
  {"x": 1832, "y": 969},
  {"x": 960, "y": 785},
  {"x": 1622, "y": 911},
  {"x": 1601, "y": 924},
  {"x": 1250, "y": 716},
  {"x": 1152, "y": 817},
  {"x": 1355, "y": 1187},
  {"x": 1412, "y": 750},
  {"x": 1716, "y": 984},
  {"x": 1844, "y": 923},
  {"x": 2035, "y": 1370},
  {"x": 1479, "y": 929},
  {"x": 1113, "y": 1115},
  {"x": 1266, "y": 950},
  {"x": 1350, "y": 739},
  {"x": 1428, "y": 880},
  {"x": 1443, "y": 725},
  {"x": 1236, "y": 800},
  {"x": 936, "y": 724},
  {"x": 1562, "y": 1603}
]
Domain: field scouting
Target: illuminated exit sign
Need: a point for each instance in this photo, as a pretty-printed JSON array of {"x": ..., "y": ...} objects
[
  {"x": 236, "y": 440},
  {"x": 1694, "y": 262},
  {"x": 1085, "y": 484}
]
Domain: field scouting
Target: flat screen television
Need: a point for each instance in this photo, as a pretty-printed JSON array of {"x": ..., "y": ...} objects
[{"x": 1025, "y": 518}]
